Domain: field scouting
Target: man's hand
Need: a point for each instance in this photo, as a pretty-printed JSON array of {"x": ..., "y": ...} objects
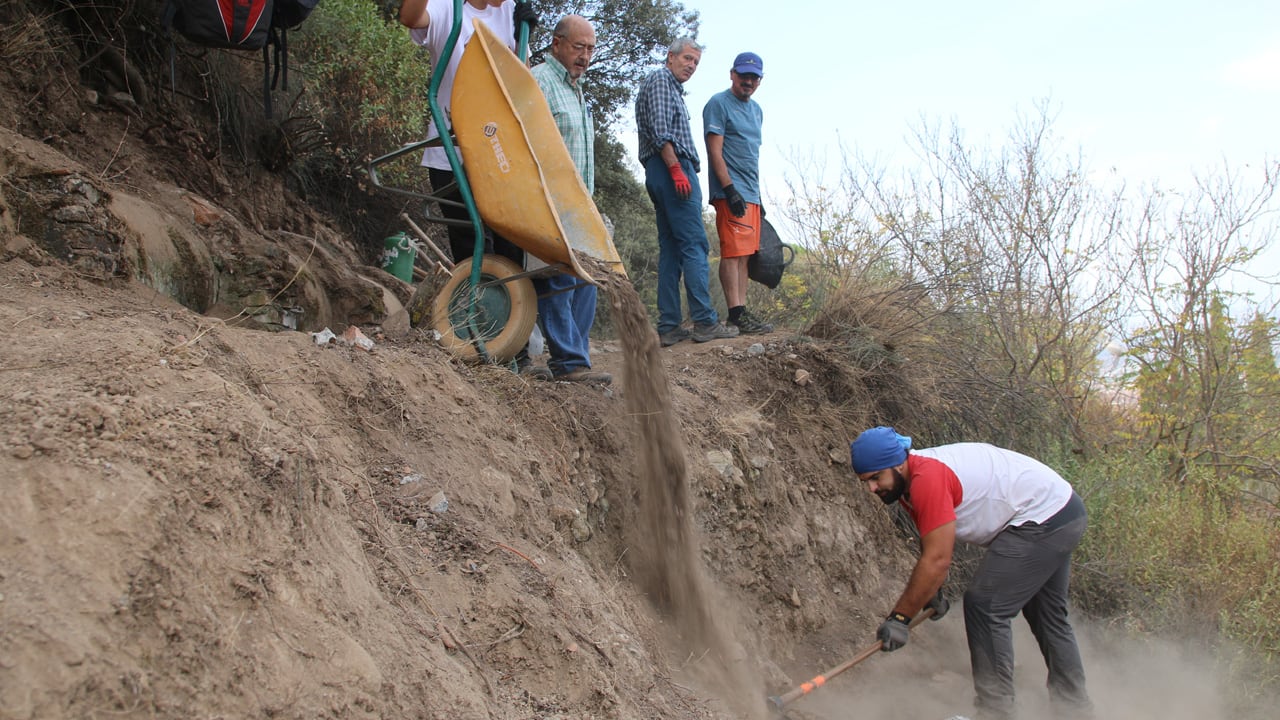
[
  {"x": 683, "y": 188},
  {"x": 940, "y": 605},
  {"x": 525, "y": 13},
  {"x": 737, "y": 205},
  {"x": 893, "y": 632}
]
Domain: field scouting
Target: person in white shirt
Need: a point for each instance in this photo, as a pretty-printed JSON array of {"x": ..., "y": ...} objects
[{"x": 1029, "y": 519}]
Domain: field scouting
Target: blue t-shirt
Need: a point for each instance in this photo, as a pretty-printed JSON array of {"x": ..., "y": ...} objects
[{"x": 738, "y": 121}]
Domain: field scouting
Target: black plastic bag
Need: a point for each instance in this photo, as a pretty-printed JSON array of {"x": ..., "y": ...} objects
[{"x": 766, "y": 266}]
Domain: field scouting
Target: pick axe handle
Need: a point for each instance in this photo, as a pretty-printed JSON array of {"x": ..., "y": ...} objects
[{"x": 805, "y": 688}]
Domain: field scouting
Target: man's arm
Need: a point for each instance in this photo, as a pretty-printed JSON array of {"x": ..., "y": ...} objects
[
  {"x": 668, "y": 153},
  {"x": 930, "y": 570},
  {"x": 413, "y": 14},
  {"x": 715, "y": 156}
]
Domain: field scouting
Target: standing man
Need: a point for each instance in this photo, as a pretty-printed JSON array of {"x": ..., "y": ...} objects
[
  {"x": 429, "y": 23},
  {"x": 671, "y": 167},
  {"x": 731, "y": 121},
  {"x": 567, "y": 305},
  {"x": 1028, "y": 518}
]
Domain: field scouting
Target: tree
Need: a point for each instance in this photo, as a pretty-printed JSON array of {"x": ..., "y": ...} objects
[
  {"x": 1203, "y": 375},
  {"x": 1015, "y": 254}
]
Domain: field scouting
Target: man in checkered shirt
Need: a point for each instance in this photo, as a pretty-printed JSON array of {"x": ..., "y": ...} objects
[{"x": 671, "y": 166}]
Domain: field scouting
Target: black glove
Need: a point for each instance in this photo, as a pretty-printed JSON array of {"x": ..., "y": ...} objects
[
  {"x": 893, "y": 632},
  {"x": 737, "y": 205},
  {"x": 940, "y": 605},
  {"x": 525, "y": 13}
]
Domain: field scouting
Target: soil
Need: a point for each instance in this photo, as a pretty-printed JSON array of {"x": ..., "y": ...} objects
[
  {"x": 207, "y": 514},
  {"x": 210, "y": 515}
]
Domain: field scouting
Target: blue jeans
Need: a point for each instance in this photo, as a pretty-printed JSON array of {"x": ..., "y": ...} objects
[
  {"x": 566, "y": 317},
  {"x": 682, "y": 247}
]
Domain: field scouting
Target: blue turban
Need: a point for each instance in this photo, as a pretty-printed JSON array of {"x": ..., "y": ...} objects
[{"x": 878, "y": 448}]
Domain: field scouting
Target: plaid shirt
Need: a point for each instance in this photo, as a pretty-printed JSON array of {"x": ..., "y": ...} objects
[
  {"x": 662, "y": 117},
  {"x": 573, "y": 116}
]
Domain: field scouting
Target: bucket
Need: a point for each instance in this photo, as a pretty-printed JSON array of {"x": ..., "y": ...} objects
[{"x": 397, "y": 256}]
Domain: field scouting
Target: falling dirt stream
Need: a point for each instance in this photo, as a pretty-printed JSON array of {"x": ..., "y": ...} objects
[{"x": 668, "y": 566}]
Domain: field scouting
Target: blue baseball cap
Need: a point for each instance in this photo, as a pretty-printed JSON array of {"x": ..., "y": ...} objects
[
  {"x": 878, "y": 448},
  {"x": 748, "y": 63}
]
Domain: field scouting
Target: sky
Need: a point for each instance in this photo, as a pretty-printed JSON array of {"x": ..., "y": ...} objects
[{"x": 1145, "y": 90}]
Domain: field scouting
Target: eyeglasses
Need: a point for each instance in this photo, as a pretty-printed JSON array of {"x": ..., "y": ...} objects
[
  {"x": 747, "y": 77},
  {"x": 578, "y": 47}
]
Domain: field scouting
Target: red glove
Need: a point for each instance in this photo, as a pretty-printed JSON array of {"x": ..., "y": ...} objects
[{"x": 683, "y": 188}]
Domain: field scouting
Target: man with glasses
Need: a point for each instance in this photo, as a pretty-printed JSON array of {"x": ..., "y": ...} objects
[
  {"x": 732, "y": 121},
  {"x": 567, "y": 305},
  {"x": 671, "y": 167}
]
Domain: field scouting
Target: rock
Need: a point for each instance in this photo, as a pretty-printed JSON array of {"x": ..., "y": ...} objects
[
  {"x": 802, "y": 377},
  {"x": 722, "y": 462},
  {"x": 439, "y": 504},
  {"x": 580, "y": 528},
  {"x": 352, "y": 336},
  {"x": 204, "y": 213},
  {"x": 411, "y": 478},
  {"x": 755, "y": 349},
  {"x": 795, "y": 598},
  {"x": 23, "y": 451}
]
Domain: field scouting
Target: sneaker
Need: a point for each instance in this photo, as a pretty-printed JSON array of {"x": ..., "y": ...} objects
[
  {"x": 536, "y": 372},
  {"x": 586, "y": 375},
  {"x": 713, "y": 331},
  {"x": 749, "y": 324},
  {"x": 671, "y": 337}
]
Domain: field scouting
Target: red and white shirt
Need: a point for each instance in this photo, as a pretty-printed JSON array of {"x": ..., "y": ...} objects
[{"x": 983, "y": 488}]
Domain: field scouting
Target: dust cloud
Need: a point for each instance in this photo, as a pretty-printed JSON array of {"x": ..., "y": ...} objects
[
  {"x": 667, "y": 563},
  {"x": 1129, "y": 679}
]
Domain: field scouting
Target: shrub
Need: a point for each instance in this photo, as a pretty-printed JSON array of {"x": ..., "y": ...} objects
[{"x": 1173, "y": 557}]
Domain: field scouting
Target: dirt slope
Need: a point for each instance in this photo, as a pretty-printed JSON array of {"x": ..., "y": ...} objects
[{"x": 204, "y": 518}]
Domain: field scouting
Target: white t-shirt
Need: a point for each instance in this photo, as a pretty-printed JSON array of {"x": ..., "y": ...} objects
[
  {"x": 433, "y": 37},
  {"x": 1001, "y": 488}
]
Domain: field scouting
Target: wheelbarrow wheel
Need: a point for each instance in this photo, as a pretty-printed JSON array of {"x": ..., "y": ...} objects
[{"x": 504, "y": 311}]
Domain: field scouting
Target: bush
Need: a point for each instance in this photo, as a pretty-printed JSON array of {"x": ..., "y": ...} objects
[
  {"x": 1172, "y": 557},
  {"x": 367, "y": 82}
]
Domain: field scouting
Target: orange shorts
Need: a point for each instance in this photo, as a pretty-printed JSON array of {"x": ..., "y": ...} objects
[{"x": 739, "y": 236}]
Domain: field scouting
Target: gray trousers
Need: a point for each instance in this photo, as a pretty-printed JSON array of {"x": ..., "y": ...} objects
[{"x": 1027, "y": 569}]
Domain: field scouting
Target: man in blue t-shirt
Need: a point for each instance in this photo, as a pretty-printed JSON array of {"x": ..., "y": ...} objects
[{"x": 732, "y": 121}]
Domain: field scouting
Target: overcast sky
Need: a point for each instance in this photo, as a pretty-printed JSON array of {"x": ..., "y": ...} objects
[{"x": 1152, "y": 89}]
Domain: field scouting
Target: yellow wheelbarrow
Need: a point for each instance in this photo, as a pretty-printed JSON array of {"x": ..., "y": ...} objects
[{"x": 520, "y": 180}]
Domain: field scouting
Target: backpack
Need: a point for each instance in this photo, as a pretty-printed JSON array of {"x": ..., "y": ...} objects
[
  {"x": 240, "y": 25},
  {"x": 766, "y": 266}
]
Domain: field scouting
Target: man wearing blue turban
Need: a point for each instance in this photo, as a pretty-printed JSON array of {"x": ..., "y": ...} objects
[{"x": 1028, "y": 518}]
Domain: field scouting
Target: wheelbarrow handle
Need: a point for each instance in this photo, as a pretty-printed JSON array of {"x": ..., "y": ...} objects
[{"x": 780, "y": 701}]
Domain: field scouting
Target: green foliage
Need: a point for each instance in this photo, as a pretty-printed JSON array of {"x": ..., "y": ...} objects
[
  {"x": 623, "y": 199},
  {"x": 366, "y": 80},
  {"x": 1167, "y": 557}
]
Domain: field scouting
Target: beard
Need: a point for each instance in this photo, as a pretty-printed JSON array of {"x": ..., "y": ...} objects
[{"x": 891, "y": 496}]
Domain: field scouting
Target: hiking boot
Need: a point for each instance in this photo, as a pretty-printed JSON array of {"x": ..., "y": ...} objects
[
  {"x": 713, "y": 331},
  {"x": 749, "y": 324},
  {"x": 586, "y": 375},
  {"x": 671, "y": 337},
  {"x": 535, "y": 372}
]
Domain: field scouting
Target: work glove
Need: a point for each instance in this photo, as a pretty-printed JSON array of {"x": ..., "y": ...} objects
[
  {"x": 893, "y": 632},
  {"x": 683, "y": 188},
  {"x": 940, "y": 605},
  {"x": 525, "y": 13},
  {"x": 737, "y": 205}
]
